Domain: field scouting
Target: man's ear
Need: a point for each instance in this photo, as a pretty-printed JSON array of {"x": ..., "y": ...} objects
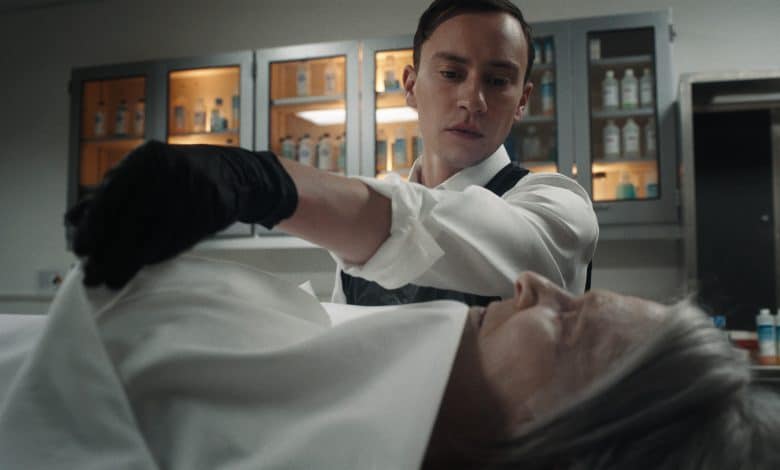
[
  {"x": 410, "y": 77},
  {"x": 520, "y": 111}
]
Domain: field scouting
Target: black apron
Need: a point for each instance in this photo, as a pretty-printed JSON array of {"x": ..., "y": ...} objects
[{"x": 360, "y": 291}]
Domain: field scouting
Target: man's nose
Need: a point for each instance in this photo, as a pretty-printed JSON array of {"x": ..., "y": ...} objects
[
  {"x": 532, "y": 289},
  {"x": 471, "y": 95}
]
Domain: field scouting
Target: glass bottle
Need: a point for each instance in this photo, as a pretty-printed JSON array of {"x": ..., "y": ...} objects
[
  {"x": 611, "y": 141},
  {"x": 630, "y": 134},
  {"x": 646, "y": 89},
  {"x": 629, "y": 90},
  {"x": 609, "y": 91}
]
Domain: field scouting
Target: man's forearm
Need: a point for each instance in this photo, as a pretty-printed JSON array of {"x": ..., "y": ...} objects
[{"x": 340, "y": 214}]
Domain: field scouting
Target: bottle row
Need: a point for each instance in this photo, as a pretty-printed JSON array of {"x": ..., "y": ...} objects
[
  {"x": 628, "y": 92},
  {"x": 326, "y": 154},
  {"x": 544, "y": 52},
  {"x": 629, "y": 141},
  {"x": 547, "y": 92},
  {"x": 303, "y": 78},
  {"x": 121, "y": 120},
  {"x": 768, "y": 333},
  {"x": 196, "y": 121},
  {"x": 396, "y": 155}
]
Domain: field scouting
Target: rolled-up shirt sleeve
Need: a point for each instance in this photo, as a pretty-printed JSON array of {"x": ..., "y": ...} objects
[{"x": 474, "y": 241}]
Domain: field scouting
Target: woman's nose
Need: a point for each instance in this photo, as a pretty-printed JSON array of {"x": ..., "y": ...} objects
[
  {"x": 472, "y": 96},
  {"x": 532, "y": 289}
]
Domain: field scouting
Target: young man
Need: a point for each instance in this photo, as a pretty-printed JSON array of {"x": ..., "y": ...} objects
[{"x": 461, "y": 229}]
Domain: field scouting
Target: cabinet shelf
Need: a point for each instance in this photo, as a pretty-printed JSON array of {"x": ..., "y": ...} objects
[
  {"x": 299, "y": 100},
  {"x": 112, "y": 139},
  {"x": 621, "y": 113},
  {"x": 536, "y": 119},
  {"x": 199, "y": 134},
  {"x": 625, "y": 160},
  {"x": 623, "y": 60}
]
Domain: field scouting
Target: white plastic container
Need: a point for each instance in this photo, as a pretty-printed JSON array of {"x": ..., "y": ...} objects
[
  {"x": 630, "y": 133},
  {"x": 548, "y": 94},
  {"x": 325, "y": 153},
  {"x": 139, "y": 117},
  {"x": 610, "y": 95},
  {"x": 331, "y": 79},
  {"x": 767, "y": 340},
  {"x": 302, "y": 79},
  {"x": 199, "y": 116},
  {"x": 100, "y": 120},
  {"x": 646, "y": 85},
  {"x": 611, "y": 141},
  {"x": 288, "y": 148},
  {"x": 629, "y": 90},
  {"x": 120, "y": 125},
  {"x": 305, "y": 151}
]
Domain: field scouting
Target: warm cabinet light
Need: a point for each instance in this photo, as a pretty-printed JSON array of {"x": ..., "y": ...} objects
[{"x": 329, "y": 117}]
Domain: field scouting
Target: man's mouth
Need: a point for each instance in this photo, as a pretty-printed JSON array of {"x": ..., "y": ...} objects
[{"x": 469, "y": 132}]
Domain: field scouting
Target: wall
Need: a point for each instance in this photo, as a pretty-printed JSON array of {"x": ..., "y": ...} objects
[{"x": 42, "y": 45}]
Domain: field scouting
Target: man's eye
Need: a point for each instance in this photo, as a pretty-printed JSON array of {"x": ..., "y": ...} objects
[
  {"x": 498, "y": 81},
  {"x": 449, "y": 74}
]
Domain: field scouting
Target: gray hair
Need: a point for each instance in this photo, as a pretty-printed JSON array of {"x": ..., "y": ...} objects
[{"x": 681, "y": 400}]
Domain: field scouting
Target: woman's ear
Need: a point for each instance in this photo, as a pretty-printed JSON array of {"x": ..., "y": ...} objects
[{"x": 410, "y": 77}]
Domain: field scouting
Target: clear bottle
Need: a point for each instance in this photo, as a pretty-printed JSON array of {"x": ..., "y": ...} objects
[
  {"x": 325, "y": 153},
  {"x": 532, "y": 145},
  {"x": 629, "y": 90},
  {"x": 548, "y": 94},
  {"x": 305, "y": 150},
  {"x": 139, "y": 117},
  {"x": 381, "y": 151},
  {"x": 341, "y": 144},
  {"x": 611, "y": 141},
  {"x": 767, "y": 341},
  {"x": 399, "y": 149},
  {"x": 625, "y": 188},
  {"x": 630, "y": 133},
  {"x": 549, "y": 52},
  {"x": 288, "y": 148},
  {"x": 391, "y": 81},
  {"x": 235, "y": 102},
  {"x": 100, "y": 120},
  {"x": 331, "y": 79},
  {"x": 302, "y": 79},
  {"x": 199, "y": 116},
  {"x": 180, "y": 115},
  {"x": 650, "y": 138},
  {"x": 120, "y": 125},
  {"x": 610, "y": 96},
  {"x": 646, "y": 85},
  {"x": 216, "y": 116}
]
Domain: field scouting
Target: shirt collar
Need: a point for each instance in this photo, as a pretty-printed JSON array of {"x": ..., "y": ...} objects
[{"x": 478, "y": 175}]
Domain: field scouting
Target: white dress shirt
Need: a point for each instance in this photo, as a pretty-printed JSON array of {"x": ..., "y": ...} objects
[{"x": 460, "y": 236}]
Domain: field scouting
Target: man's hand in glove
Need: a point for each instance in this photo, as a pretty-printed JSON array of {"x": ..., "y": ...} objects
[{"x": 162, "y": 199}]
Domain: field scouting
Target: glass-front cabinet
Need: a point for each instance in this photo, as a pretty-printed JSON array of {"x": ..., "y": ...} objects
[
  {"x": 112, "y": 112},
  {"x": 623, "y": 96},
  {"x": 306, "y": 107}
]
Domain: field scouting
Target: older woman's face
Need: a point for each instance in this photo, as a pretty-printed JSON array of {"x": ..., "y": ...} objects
[{"x": 525, "y": 356}]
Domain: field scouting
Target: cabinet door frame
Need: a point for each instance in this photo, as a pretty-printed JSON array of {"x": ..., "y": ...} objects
[
  {"x": 265, "y": 57},
  {"x": 244, "y": 60},
  {"x": 154, "y": 100},
  {"x": 559, "y": 30},
  {"x": 665, "y": 208}
]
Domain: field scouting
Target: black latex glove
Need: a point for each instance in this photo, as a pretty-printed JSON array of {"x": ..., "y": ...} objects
[{"x": 161, "y": 199}]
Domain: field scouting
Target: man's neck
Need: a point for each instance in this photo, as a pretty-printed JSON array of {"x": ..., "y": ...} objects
[{"x": 434, "y": 171}]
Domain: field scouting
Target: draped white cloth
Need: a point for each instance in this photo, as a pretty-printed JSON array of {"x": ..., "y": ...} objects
[{"x": 202, "y": 364}]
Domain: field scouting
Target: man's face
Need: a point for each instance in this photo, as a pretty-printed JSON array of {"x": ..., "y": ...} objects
[{"x": 468, "y": 89}]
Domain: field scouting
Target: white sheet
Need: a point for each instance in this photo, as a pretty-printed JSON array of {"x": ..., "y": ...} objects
[{"x": 204, "y": 364}]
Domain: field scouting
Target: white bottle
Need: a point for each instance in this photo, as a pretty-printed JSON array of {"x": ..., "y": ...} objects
[
  {"x": 630, "y": 133},
  {"x": 549, "y": 55},
  {"x": 646, "y": 89},
  {"x": 100, "y": 120},
  {"x": 331, "y": 79},
  {"x": 610, "y": 97},
  {"x": 139, "y": 117},
  {"x": 399, "y": 149},
  {"x": 325, "y": 153},
  {"x": 611, "y": 141},
  {"x": 767, "y": 341},
  {"x": 548, "y": 94},
  {"x": 288, "y": 148},
  {"x": 120, "y": 127},
  {"x": 629, "y": 90},
  {"x": 216, "y": 116},
  {"x": 650, "y": 138},
  {"x": 199, "y": 116},
  {"x": 305, "y": 150},
  {"x": 302, "y": 79}
]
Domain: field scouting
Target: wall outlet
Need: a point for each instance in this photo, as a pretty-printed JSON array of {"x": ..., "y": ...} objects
[{"x": 49, "y": 280}]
